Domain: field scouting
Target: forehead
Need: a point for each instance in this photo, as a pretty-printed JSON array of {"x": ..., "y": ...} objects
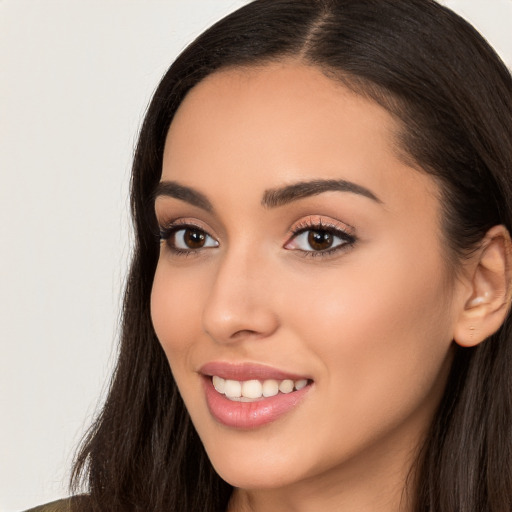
[{"x": 262, "y": 127}]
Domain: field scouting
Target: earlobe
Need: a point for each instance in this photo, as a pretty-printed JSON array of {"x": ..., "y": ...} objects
[{"x": 491, "y": 285}]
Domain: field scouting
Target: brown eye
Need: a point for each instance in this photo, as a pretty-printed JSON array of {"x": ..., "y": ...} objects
[
  {"x": 320, "y": 240},
  {"x": 187, "y": 239},
  {"x": 193, "y": 238}
]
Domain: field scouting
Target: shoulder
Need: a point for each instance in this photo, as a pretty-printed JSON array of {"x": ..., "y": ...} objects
[{"x": 76, "y": 503}]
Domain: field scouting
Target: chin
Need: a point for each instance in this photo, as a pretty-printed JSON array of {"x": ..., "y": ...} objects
[
  {"x": 249, "y": 476},
  {"x": 261, "y": 462}
]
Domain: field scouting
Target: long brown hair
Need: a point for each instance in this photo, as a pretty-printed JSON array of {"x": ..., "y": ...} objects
[{"x": 453, "y": 96}]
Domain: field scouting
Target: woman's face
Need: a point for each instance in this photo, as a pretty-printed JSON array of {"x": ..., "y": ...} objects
[{"x": 300, "y": 252}]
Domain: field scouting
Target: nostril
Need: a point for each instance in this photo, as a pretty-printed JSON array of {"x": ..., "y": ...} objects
[{"x": 244, "y": 333}]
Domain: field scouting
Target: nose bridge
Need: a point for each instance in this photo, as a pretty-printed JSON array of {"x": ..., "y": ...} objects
[{"x": 239, "y": 303}]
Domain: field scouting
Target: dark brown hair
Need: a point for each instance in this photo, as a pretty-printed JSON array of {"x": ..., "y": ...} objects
[{"x": 453, "y": 96}]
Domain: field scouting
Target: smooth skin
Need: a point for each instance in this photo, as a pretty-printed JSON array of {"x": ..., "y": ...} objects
[{"x": 369, "y": 314}]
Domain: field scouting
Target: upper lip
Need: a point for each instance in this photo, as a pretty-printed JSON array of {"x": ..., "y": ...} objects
[{"x": 246, "y": 371}]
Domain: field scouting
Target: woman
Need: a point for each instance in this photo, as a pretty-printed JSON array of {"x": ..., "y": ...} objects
[{"x": 317, "y": 314}]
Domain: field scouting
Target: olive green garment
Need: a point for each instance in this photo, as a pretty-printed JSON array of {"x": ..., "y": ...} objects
[{"x": 58, "y": 506}]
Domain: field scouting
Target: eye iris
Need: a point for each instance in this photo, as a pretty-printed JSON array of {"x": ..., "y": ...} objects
[
  {"x": 320, "y": 240},
  {"x": 194, "y": 239}
]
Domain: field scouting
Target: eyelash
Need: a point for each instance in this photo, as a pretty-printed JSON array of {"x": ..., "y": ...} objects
[
  {"x": 347, "y": 239},
  {"x": 169, "y": 231}
]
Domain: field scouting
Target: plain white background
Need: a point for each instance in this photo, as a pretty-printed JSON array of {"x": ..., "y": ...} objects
[{"x": 75, "y": 79}]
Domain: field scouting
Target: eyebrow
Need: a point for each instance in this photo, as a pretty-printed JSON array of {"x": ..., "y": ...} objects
[
  {"x": 274, "y": 198},
  {"x": 187, "y": 194}
]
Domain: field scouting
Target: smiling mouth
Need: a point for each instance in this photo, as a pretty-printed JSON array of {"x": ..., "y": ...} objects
[
  {"x": 248, "y": 396},
  {"x": 254, "y": 390}
]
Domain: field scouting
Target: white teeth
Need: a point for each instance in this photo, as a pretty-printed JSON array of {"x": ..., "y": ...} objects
[
  {"x": 252, "y": 389},
  {"x": 286, "y": 386},
  {"x": 301, "y": 384},
  {"x": 218, "y": 384},
  {"x": 232, "y": 388},
  {"x": 248, "y": 390},
  {"x": 270, "y": 388}
]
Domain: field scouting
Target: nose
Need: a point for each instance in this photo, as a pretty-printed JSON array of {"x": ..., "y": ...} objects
[{"x": 239, "y": 305}]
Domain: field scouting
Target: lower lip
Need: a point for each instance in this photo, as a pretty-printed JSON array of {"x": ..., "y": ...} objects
[{"x": 249, "y": 415}]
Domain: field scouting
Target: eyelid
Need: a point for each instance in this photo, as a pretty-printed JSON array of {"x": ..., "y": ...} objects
[
  {"x": 173, "y": 225},
  {"x": 167, "y": 222},
  {"x": 344, "y": 232},
  {"x": 320, "y": 222}
]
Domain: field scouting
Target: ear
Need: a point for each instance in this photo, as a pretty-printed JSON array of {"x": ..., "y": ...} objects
[{"x": 490, "y": 288}]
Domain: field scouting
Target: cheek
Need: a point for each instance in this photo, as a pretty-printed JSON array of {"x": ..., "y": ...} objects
[
  {"x": 381, "y": 332},
  {"x": 176, "y": 311}
]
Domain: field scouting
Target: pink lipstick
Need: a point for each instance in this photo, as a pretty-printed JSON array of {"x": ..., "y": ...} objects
[{"x": 247, "y": 396}]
